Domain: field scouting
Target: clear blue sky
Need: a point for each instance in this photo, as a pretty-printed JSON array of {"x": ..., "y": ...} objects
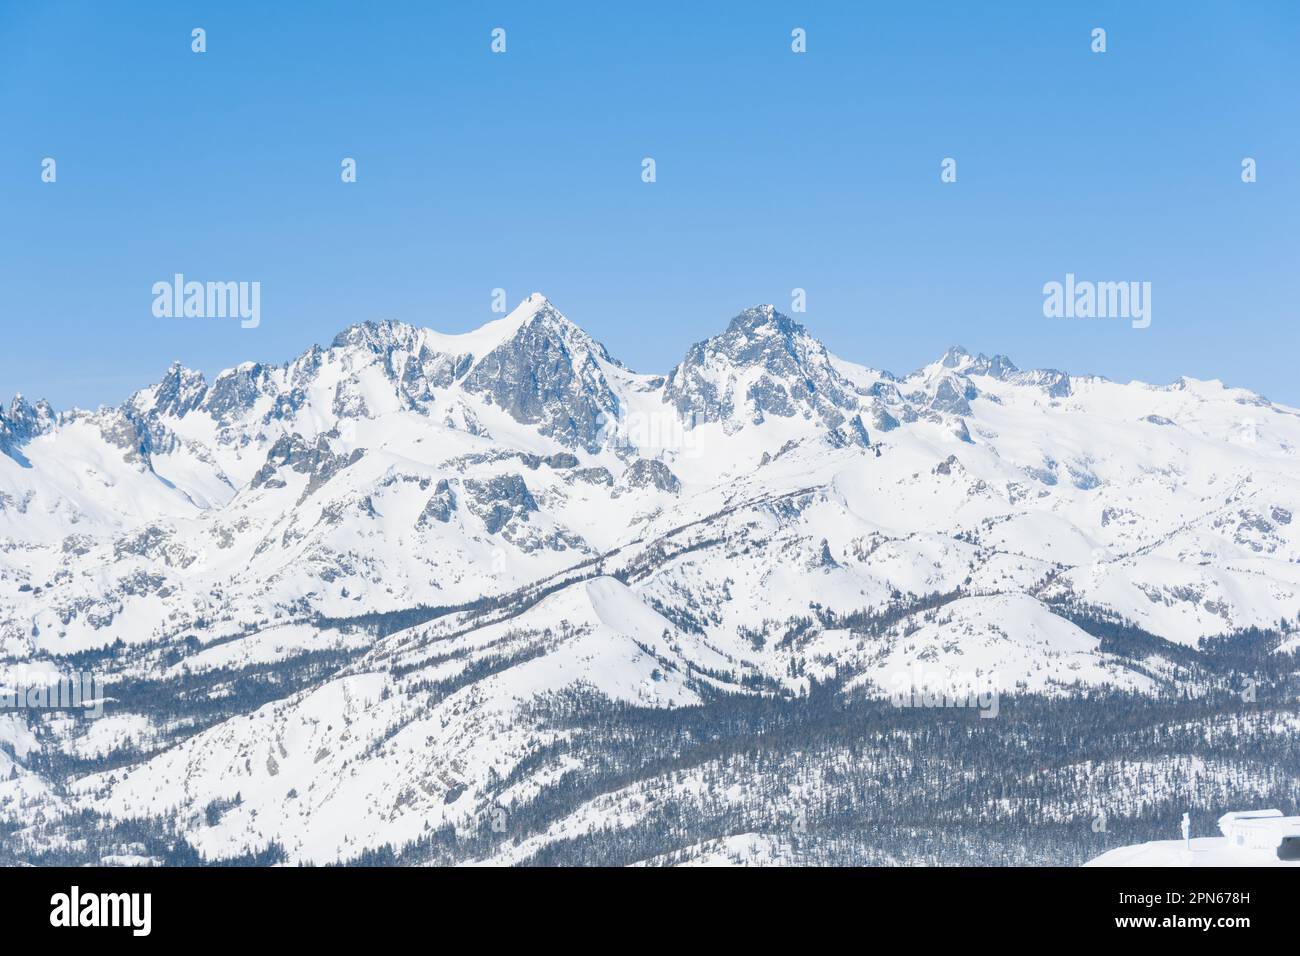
[{"x": 775, "y": 170}]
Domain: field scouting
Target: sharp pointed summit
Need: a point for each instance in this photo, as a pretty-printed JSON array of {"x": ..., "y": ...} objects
[{"x": 428, "y": 551}]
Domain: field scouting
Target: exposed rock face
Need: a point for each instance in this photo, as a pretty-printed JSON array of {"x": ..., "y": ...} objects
[
  {"x": 561, "y": 460},
  {"x": 429, "y": 370},
  {"x": 440, "y": 506},
  {"x": 478, "y": 609},
  {"x": 499, "y": 500},
  {"x": 592, "y": 476},
  {"x": 180, "y": 392},
  {"x": 1056, "y": 384},
  {"x": 315, "y": 459},
  {"x": 23, "y": 422},
  {"x": 123, "y": 429},
  {"x": 549, "y": 375},
  {"x": 764, "y": 364},
  {"x": 823, "y": 559},
  {"x": 649, "y": 473},
  {"x": 405, "y": 358},
  {"x": 959, "y": 360},
  {"x": 881, "y": 419},
  {"x": 851, "y": 432},
  {"x": 237, "y": 390},
  {"x": 953, "y": 396}
]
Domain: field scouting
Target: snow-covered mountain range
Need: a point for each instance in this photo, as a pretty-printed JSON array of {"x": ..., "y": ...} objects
[{"x": 392, "y": 599}]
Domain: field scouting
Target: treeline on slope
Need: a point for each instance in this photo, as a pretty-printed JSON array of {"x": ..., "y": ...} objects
[
  {"x": 888, "y": 785},
  {"x": 878, "y": 765},
  {"x": 181, "y": 705},
  {"x": 85, "y": 838},
  {"x": 1247, "y": 652}
]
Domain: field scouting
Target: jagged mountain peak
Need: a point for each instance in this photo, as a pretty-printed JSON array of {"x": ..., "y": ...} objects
[
  {"x": 954, "y": 356},
  {"x": 377, "y": 336},
  {"x": 386, "y": 335},
  {"x": 958, "y": 359},
  {"x": 23, "y": 422},
  {"x": 468, "y": 516},
  {"x": 180, "y": 390},
  {"x": 536, "y": 304},
  {"x": 27, "y": 417},
  {"x": 535, "y": 312},
  {"x": 759, "y": 331},
  {"x": 547, "y": 372},
  {"x": 765, "y": 319},
  {"x": 533, "y": 308},
  {"x": 763, "y": 364},
  {"x": 958, "y": 363},
  {"x": 21, "y": 408},
  {"x": 539, "y": 313}
]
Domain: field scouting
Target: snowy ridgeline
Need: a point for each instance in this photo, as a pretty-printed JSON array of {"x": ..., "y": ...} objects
[{"x": 495, "y": 597}]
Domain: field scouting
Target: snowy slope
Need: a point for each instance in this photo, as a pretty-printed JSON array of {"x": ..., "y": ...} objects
[
  {"x": 1205, "y": 851},
  {"x": 344, "y": 586}
]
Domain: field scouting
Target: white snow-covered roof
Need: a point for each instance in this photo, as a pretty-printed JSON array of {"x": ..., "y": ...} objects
[{"x": 1236, "y": 815}]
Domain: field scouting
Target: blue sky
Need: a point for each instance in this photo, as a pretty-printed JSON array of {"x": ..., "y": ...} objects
[{"x": 774, "y": 171}]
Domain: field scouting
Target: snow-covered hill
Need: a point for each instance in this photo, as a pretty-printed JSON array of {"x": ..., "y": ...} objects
[
  {"x": 1205, "y": 851},
  {"x": 365, "y": 591}
]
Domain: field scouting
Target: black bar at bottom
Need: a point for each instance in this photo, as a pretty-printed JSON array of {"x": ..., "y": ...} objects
[{"x": 337, "y": 905}]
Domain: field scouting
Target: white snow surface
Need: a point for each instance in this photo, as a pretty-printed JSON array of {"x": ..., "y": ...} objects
[
  {"x": 1205, "y": 851},
  {"x": 669, "y": 553}
]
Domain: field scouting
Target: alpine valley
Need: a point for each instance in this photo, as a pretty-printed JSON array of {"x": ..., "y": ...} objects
[{"x": 494, "y": 598}]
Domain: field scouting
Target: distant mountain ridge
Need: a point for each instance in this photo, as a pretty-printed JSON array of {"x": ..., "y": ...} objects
[{"x": 381, "y": 589}]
